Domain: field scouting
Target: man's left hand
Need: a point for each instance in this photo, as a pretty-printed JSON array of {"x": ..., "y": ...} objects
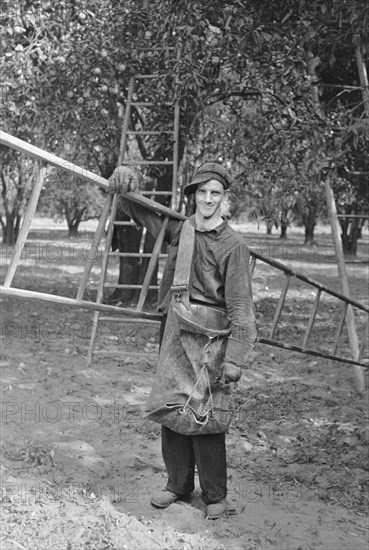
[{"x": 230, "y": 373}]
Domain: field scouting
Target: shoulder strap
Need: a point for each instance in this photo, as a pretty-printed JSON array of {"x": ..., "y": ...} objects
[{"x": 186, "y": 247}]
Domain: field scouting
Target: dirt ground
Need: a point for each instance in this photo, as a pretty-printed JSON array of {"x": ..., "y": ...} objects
[{"x": 78, "y": 462}]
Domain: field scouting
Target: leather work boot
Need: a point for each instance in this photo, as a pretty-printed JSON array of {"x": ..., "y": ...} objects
[
  {"x": 163, "y": 499},
  {"x": 218, "y": 510}
]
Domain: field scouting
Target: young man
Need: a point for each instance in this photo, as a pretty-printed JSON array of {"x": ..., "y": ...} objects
[{"x": 219, "y": 279}]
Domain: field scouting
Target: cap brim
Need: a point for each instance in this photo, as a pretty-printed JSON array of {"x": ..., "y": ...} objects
[{"x": 190, "y": 188}]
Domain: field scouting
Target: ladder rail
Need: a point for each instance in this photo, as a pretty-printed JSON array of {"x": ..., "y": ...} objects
[
  {"x": 315, "y": 353},
  {"x": 95, "y": 245},
  {"x": 126, "y": 120},
  {"x": 100, "y": 288},
  {"x": 26, "y": 225},
  {"x": 152, "y": 264}
]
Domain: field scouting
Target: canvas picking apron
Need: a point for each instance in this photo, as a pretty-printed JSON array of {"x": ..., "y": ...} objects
[{"x": 186, "y": 395}]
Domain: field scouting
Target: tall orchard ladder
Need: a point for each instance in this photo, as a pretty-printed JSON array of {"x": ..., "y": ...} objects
[{"x": 112, "y": 204}]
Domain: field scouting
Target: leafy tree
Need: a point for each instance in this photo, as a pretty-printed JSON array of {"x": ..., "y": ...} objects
[
  {"x": 34, "y": 39},
  {"x": 17, "y": 178},
  {"x": 321, "y": 118},
  {"x": 18, "y": 115},
  {"x": 273, "y": 52},
  {"x": 68, "y": 197}
]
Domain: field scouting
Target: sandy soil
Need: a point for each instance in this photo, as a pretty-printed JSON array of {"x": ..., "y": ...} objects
[{"x": 79, "y": 463}]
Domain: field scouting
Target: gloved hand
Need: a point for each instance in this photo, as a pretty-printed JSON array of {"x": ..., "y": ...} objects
[
  {"x": 230, "y": 373},
  {"x": 122, "y": 180}
]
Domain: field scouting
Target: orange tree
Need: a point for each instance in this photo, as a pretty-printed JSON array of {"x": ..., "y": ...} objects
[
  {"x": 18, "y": 115},
  {"x": 274, "y": 52},
  {"x": 34, "y": 39}
]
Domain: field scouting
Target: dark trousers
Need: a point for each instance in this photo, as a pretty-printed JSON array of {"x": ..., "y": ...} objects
[{"x": 208, "y": 452}]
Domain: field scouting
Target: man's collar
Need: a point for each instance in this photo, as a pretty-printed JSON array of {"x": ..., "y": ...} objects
[{"x": 216, "y": 229}]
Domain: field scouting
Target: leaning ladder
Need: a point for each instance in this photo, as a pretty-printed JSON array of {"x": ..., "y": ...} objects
[{"x": 112, "y": 204}]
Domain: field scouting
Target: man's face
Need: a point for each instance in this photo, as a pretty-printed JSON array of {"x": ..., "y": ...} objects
[{"x": 208, "y": 198}]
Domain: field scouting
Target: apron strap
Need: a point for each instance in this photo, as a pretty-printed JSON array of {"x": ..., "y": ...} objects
[{"x": 181, "y": 280}]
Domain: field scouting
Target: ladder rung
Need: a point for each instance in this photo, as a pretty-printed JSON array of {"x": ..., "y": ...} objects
[
  {"x": 340, "y": 328},
  {"x": 279, "y": 308},
  {"x": 135, "y": 254},
  {"x": 112, "y": 285},
  {"x": 158, "y": 162},
  {"x": 149, "y": 103},
  {"x": 123, "y": 223},
  {"x": 148, "y": 133},
  {"x": 311, "y": 319}
]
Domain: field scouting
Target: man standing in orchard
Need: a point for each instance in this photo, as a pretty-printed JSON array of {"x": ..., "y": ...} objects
[{"x": 207, "y": 333}]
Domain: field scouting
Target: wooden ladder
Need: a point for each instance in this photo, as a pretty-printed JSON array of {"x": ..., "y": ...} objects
[
  {"x": 112, "y": 204},
  {"x": 320, "y": 290}
]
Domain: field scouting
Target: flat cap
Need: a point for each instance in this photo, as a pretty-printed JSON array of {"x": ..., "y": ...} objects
[{"x": 206, "y": 172}]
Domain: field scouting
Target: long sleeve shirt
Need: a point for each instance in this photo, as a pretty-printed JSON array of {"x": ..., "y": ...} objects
[{"x": 219, "y": 275}]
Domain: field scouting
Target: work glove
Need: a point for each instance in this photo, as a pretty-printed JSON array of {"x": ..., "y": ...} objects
[
  {"x": 230, "y": 373},
  {"x": 123, "y": 180}
]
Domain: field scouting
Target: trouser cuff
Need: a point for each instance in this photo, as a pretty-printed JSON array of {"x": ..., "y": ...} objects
[{"x": 182, "y": 492}]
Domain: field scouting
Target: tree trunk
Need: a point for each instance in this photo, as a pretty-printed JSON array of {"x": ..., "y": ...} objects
[
  {"x": 74, "y": 218},
  {"x": 309, "y": 231},
  {"x": 269, "y": 226},
  {"x": 351, "y": 231},
  {"x": 283, "y": 234},
  {"x": 73, "y": 230},
  {"x": 11, "y": 229}
]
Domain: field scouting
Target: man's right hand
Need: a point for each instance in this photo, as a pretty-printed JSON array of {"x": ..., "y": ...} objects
[{"x": 123, "y": 180}]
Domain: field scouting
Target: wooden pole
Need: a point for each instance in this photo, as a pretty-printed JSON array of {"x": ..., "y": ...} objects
[
  {"x": 71, "y": 302},
  {"x": 363, "y": 75},
  {"x": 40, "y": 154},
  {"x": 50, "y": 158},
  {"x": 350, "y": 319},
  {"x": 26, "y": 225},
  {"x": 152, "y": 264},
  {"x": 94, "y": 246},
  {"x": 100, "y": 288},
  {"x": 331, "y": 203}
]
